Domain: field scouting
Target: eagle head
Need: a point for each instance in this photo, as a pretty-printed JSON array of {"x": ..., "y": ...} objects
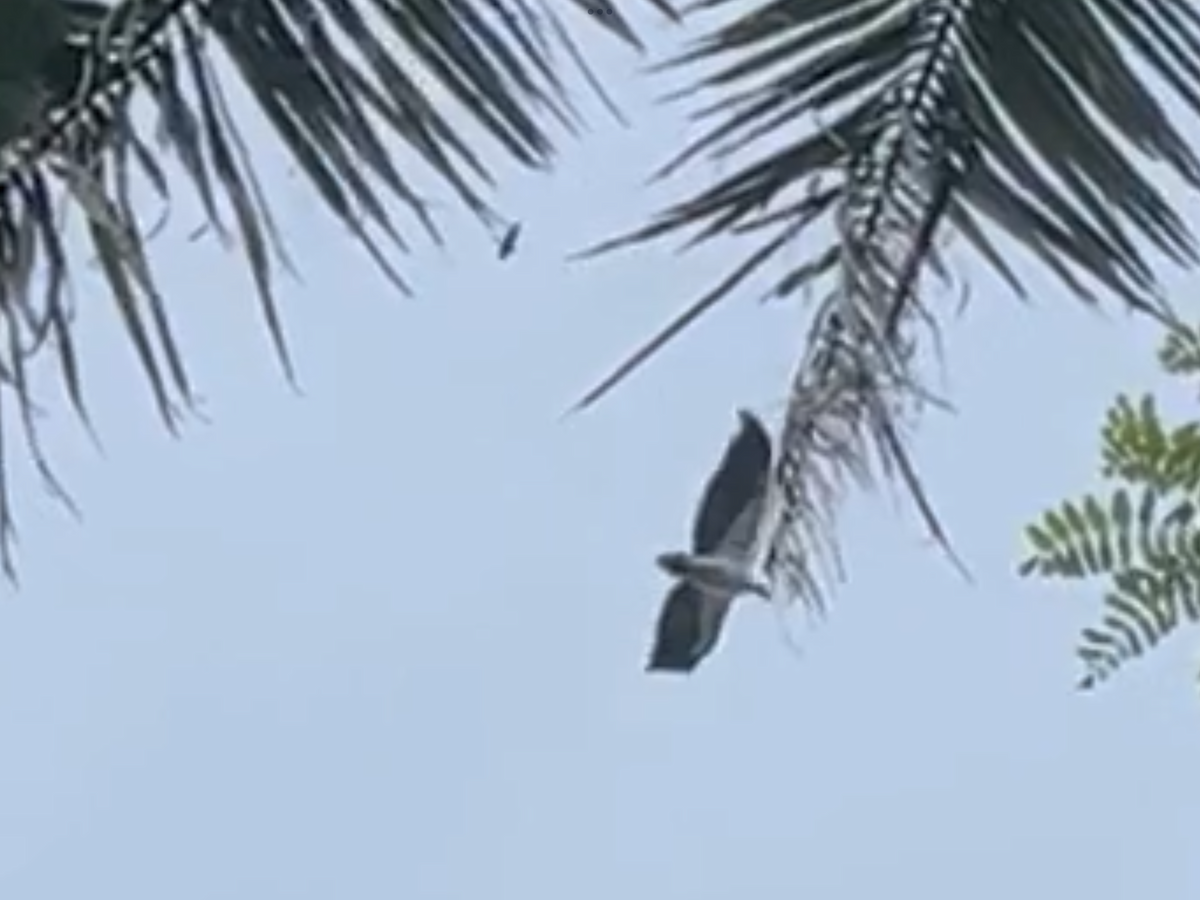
[{"x": 674, "y": 563}]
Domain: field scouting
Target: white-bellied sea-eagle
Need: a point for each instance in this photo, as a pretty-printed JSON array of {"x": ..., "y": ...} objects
[{"x": 724, "y": 555}]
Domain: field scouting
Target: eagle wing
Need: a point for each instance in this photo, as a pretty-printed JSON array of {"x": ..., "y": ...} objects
[
  {"x": 689, "y": 627},
  {"x": 731, "y": 510}
]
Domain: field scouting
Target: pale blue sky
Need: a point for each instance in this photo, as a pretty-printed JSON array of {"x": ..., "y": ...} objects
[{"x": 386, "y": 640}]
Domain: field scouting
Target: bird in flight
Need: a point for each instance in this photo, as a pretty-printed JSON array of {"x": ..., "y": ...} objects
[{"x": 725, "y": 548}]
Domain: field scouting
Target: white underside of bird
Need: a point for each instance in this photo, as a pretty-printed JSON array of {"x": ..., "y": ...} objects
[{"x": 715, "y": 575}]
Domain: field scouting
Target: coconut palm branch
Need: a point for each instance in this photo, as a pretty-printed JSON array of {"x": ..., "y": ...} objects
[
  {"x": 345, "y": 84},
  {"x": 1021, "y": 126}
]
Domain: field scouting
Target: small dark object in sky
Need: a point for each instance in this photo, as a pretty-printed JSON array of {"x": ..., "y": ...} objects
[{"x": 508, "y": 243}]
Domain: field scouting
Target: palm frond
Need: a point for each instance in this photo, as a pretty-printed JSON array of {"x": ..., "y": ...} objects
[
  {"x": 926, "y": 119},
  {"x": 345, "y": 85}
]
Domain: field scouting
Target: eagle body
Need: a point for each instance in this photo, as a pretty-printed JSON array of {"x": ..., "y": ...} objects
[
  {"x": 713, "y": 574},
  {"x": 723, "y": 558}
]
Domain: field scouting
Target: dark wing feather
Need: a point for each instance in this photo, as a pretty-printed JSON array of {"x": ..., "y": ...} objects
[
  {"x": 739, "y": 480},
  {"x": 689, "y": 627}
]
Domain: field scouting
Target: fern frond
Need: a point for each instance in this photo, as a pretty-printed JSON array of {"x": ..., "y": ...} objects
[
  {"x": 1143, "y": 539},
  {"x": 1083, "y": 539},
  {"x": 1136, "y": 447},
  {"x": 1180, "y": 351}
]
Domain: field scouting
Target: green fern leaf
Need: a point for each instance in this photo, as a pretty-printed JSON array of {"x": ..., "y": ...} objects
[
  {"x": 1145, "y": 538},
  {"x": 1100, "y": 526},
  {"x": 1122, "y": 515}
]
